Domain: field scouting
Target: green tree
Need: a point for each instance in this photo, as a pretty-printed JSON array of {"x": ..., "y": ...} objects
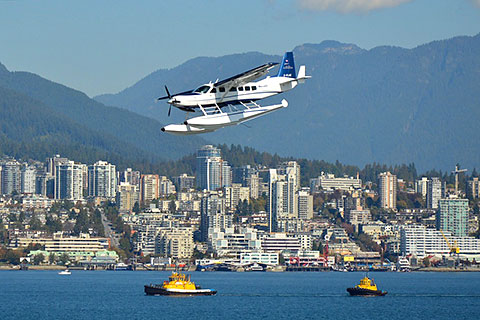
[
  {"x": 64, "y": 258},
  {"x": 38, "y": 258},
  {"x": 172, "y": 207},
  {"x": 136, "y": 207},
  {"x": 51, "y": 258}
]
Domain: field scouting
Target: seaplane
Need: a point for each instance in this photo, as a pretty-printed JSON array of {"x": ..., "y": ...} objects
[{"x": 233, "y": 101}]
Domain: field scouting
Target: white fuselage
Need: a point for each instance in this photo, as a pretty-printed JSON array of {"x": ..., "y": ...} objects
[{"x": 209, "y": 95}]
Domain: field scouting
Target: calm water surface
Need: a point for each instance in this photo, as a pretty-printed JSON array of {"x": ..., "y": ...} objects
[{"x": 119, "y": 295}]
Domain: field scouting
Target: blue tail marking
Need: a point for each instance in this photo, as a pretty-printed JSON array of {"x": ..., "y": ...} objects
[{"x": 287, "y": 69}]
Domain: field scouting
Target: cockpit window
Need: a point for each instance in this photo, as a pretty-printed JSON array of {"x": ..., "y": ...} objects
[{"x": 202, "y": 89}]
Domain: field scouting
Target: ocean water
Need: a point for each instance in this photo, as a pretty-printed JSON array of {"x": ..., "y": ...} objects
[{"x": 119, "y": 295}]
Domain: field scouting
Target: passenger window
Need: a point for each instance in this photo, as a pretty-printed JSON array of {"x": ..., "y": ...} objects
[
  {"x": 254, "y": 88},
  {"x": 214, "y": 90},
  {"x": 240, "y": 88},
  {"x": 247, "y": 88},
  {"x": 222, "y": 89},
  {"x": 233, "y": 89}
]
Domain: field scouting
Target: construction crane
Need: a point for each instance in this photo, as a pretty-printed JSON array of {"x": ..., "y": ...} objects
[
  {"x": 457, "y": 171},
  {"x": 454, "y": 249}
]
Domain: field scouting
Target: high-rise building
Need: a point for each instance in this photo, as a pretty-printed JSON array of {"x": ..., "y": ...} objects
[
  {"x": 421, "y": 186},
  {"x": 473, "y": 188},
  {"x": 27, "y": 179},
  {"x": 434, "y": 192},
  {"x": 11, "y": 180},
  {"x": 69, "y": 181},
  {"x": 235, "y": 194},
  {"x": 242, "y": 174},
  {"x": 175, "y": 242},
  {"x": 387, "y": 186},
  {"x": 184, "y": 182},
  {"x": 149, "y": 188},
  {"x": 212, "y": 172},
  {"x": 102, "y": 180},
  {"x": 305, "y": 205},
  {"x": 127, "y": 196},
  {"x": 253, "y": 182},
  {"x": 166, "y": 186},
  {"x": 282, "y": 197},
  {"x": 130, "y": 176},
  {"x": 213, "y": 215},
  {"x": 52, "y": 163},
  {"x": 453, "y": 216}
]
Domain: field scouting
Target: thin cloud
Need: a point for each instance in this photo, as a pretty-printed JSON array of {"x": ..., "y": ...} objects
[
  {"x": 476, "y": 2},
  {"x": 348, "y": 6}
]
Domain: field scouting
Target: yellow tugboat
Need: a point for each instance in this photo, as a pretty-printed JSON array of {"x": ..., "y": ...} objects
[
  {"x": 178, "y": 284},
  {"x": 366, "y": 288}
]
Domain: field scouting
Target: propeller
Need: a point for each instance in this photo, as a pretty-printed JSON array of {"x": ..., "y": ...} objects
[{"x": 168, "y": 96}]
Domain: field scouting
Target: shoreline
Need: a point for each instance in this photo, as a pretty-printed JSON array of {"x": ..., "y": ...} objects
[{"x": 59, "y": 268}]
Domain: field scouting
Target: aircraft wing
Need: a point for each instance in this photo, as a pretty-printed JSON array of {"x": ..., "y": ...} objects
[{"x": 246, "y": 76}]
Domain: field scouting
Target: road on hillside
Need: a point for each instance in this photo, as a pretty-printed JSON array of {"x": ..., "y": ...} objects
[{"x": 109, "y": 232}]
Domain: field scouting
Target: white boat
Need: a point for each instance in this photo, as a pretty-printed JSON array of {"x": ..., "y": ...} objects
[
  {"x": 403, "y": 265},
  {"x": 65, "y": 272}
]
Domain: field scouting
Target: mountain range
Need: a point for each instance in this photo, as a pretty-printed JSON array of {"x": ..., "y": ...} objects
[
  {"x": 387, "y": 104},
  {"x": 40, "y": 118}
]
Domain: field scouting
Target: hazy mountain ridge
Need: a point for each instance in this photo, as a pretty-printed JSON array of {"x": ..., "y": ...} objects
[
  {"x": 112, "y": 127},
  {"x": 387, "y": 104}
]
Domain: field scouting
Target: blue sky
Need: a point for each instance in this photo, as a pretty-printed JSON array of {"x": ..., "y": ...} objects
[{"x": 103, "y": 46}]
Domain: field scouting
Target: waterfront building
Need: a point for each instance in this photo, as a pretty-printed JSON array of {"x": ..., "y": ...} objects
[
  {"x": 280, "y": 242},
  {"x": 127, "y": 196},
  {"x": 102, "y": 180},
  {"x": 175, "y": 242},
  {"x": 421, "y": 242},
  {"x": 81, "y": 247},
  {"x": 268, "y": 258},
  {"x": 231, "y": 243},
  {"x": 68, "y": 182},
  {"x": 327, "y": 181},
  {"x": 387, "y": 186},
  {"x": 434, "y": 192},
  {"x": 149, "y": 188},
  {"x": 453, "y": 216}
]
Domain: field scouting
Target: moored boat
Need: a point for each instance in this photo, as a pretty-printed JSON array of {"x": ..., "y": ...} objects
[
  {"x": 178, "y": 284},
  {"x": 367, "y": 287}
]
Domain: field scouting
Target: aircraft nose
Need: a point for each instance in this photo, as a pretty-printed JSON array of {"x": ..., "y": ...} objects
[{"x": 163, "y": 129}]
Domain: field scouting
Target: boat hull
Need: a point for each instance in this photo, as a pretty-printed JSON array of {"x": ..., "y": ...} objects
[
  {"x": 365, "y": 292},
  {"x": 153, "y": 290}
]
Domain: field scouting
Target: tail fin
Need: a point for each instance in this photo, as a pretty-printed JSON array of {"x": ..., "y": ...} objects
[{"x": 287, "y": 69}]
